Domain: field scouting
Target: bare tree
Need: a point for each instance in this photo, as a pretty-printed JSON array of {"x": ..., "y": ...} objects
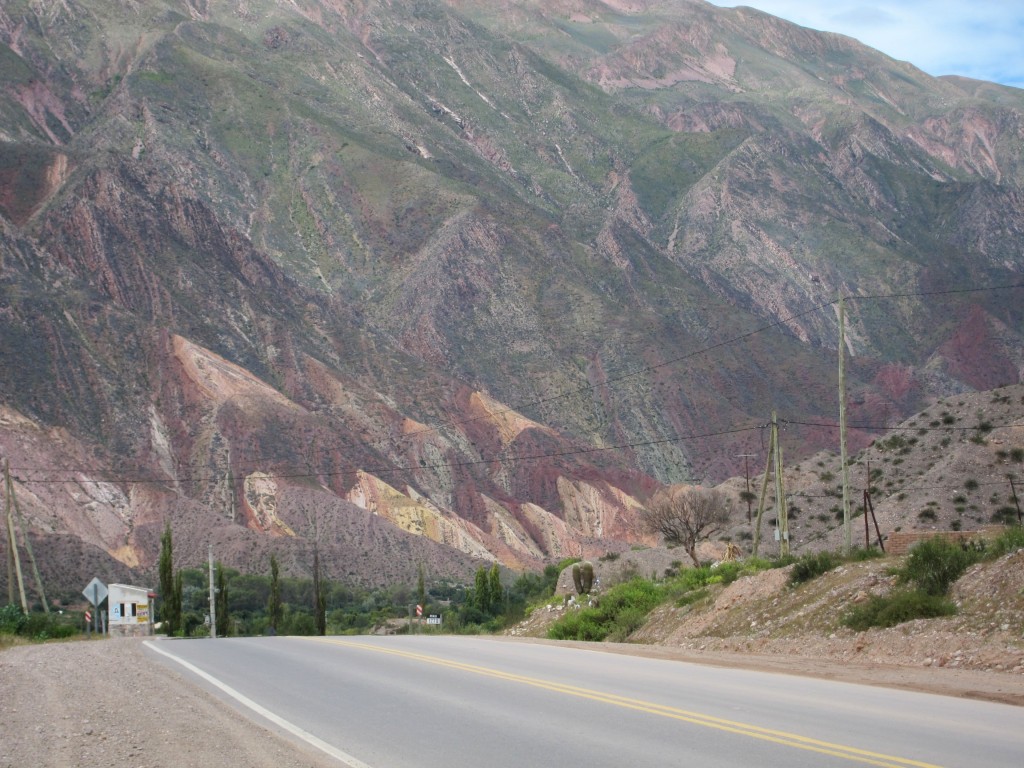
[{"x": 685, "y": 516}]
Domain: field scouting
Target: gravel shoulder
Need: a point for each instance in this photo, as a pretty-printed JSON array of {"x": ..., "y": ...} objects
[{"x": 102, "y": 703}]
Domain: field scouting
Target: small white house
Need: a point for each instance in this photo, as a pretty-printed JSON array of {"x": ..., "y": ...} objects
[{"x": 130, "y": 610}]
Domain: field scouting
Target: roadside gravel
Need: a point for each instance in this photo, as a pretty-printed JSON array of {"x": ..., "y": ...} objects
[{"x": 103, "y": 703}]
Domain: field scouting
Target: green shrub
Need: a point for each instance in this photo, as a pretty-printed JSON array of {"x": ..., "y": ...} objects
[
  {"x": 727, "y": 572},
  {"x": 622, "y": 610},
  {"x": 1008, "y": 541},
  {"x": 44, "y": 626},
  {"x": 36, "y": 625},
  {"x": 897, "y": 608},
  {"x": 933, "y": 565},
  {"x": 811, "y": 566},
  {"x": 11, "y": 619}
]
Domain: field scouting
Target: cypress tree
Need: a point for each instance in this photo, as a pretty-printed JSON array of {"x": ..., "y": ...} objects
[
  {"x": 482, "y": 591},
  {"x": 494, "y": 588},
  {"x": 166, "y": 568}
]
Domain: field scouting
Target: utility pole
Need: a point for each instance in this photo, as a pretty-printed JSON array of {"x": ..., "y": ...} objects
[
  {"x": 213, "y": 597},
  {"x": 746, "y": 473},
  {"x": 28, "y": 542},
  {"x": 13, "y": 561},
  {"x": 781, "y": 513},
  {"x": 867, "y": 505},
  {"x": 781, "y": 517},
  {"x": 847, "y": 531},
  {"x": 760, "y": 502}
]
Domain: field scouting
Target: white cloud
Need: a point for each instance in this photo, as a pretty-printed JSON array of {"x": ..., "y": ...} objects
[{"x": 980, "y": 38}]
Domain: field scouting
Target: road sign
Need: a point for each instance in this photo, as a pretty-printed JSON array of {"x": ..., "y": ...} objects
[
  {"x": 88, "y": 617},
  {"x": 434, "y": 618},
  {"x": 419, "y": 610},
  {"x": 95, "y": 592}
]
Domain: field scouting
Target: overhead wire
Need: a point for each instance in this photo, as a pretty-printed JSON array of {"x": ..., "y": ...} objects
[
  {"x": 609, "y": 381},
  {"x": 382, "y": 470}
]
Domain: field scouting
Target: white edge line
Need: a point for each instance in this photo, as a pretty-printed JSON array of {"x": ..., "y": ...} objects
[{"x": 305, "y": 736}]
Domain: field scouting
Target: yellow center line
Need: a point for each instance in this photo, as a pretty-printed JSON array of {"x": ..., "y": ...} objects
[{"x": 708, "y": 721}]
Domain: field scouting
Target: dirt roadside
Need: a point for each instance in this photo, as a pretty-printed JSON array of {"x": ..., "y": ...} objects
[
  {"x": 93, "y": 704},
  {"x": 102, "y": 703}
]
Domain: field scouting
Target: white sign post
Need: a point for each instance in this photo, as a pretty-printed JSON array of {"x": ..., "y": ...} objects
[{"x": 95, "y": 592}]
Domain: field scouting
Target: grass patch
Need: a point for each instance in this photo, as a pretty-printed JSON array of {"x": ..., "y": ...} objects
[{"x": 896, "y": 608}]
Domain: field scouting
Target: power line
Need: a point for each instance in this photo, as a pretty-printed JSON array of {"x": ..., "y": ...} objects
[
  {"x": 914, "y": 294},
  {"x": 911, "y": 489},
  {"x": 519, "y": 407},
  {"x": 985, "y": 427},
  {"x": 393, "y": 469}
]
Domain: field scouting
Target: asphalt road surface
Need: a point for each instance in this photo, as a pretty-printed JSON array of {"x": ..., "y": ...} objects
[{"x": 464, "y": 702}]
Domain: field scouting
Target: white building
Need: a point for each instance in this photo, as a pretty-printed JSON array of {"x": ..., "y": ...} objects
[{"x": 130, "y": 610}]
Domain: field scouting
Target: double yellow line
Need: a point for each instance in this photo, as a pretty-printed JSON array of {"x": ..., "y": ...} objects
[{"x": 696, "y": 718}]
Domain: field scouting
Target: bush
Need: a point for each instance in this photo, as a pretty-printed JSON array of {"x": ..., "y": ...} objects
[
  {"x": 811, "y": 566},
  {"x": 897, "y": 608},
  {"x": 36, "y": 625},
  {"x": 11, "y": 619},
  {"x": 1009, "y": 541},
  {"x": 622, "y": 610},
  {"x": 43, "y": 626},
  {"x": 934, "y": 564}
]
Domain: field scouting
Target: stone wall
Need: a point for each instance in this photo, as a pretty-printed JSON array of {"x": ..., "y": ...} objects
[{"x": 900, "y": 542}]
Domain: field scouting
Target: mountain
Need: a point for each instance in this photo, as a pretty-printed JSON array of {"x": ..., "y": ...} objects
[{"x": 454, "y": 283}]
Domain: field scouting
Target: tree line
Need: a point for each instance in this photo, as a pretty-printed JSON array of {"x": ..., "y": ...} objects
[{"x": 268, "y": 603}]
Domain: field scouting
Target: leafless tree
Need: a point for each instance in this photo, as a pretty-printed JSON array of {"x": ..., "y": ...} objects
[{"x": 685, "y": 515}]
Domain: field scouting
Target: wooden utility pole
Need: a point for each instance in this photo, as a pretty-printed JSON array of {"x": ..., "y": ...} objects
[
  {"x": 28, "y": 545},
  {"x": 847, "y": 530},
  {"x": 760, "y": 503},
  {"x": 12, "y": 548},
  {"x": 781, "y": 512},
  {"x": 867, "y": 505},
  {"x": 781, "y": 516}
]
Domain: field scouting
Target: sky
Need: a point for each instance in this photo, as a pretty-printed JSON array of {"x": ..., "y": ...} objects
[{"x": 983, "y": 39}]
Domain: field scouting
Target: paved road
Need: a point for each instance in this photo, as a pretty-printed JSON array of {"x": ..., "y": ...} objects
[{"x": 454, "y": 702}]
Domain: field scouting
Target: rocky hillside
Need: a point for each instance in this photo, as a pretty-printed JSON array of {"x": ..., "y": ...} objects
[
  {"x": 452, "y": 282},
  {"x": 763, "y": 617}
]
